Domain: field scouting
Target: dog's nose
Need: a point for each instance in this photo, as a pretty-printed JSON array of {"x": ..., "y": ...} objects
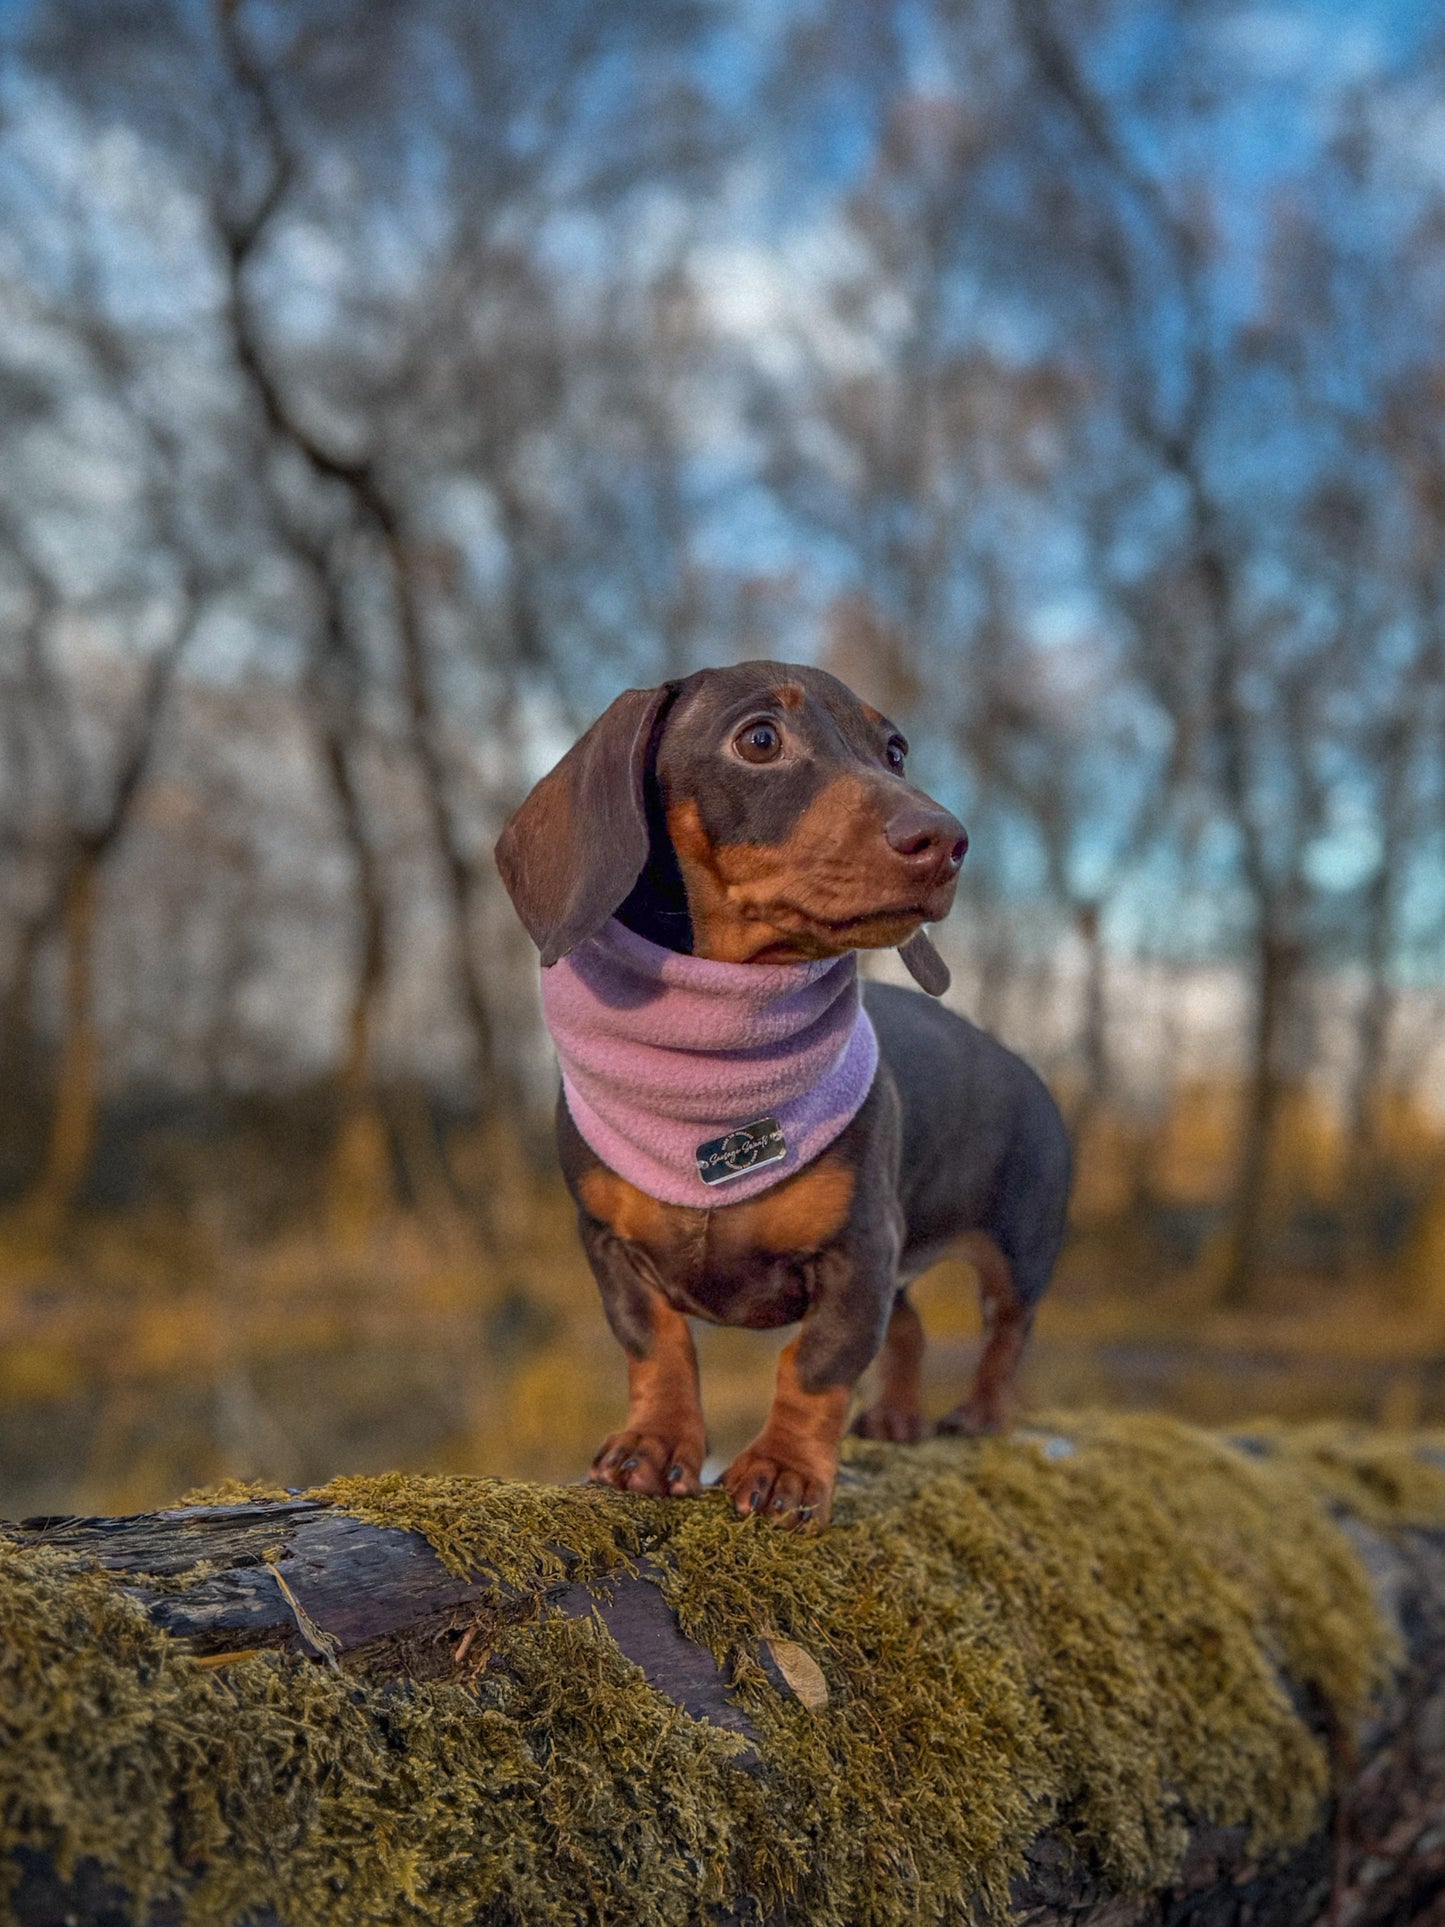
[{"x": 928, "y": 839}]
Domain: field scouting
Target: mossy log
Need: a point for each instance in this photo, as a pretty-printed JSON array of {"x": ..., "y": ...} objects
[
  {"x": 1117, "y": 1671},
  {"x": 299, "y": 1576}
]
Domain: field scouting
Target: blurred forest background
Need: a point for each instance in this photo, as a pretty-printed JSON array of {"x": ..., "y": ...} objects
[{"x": 384, "y": 386}]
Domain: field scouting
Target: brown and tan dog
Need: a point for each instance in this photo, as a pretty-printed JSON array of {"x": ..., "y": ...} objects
[{"x": 761, "y": 814}]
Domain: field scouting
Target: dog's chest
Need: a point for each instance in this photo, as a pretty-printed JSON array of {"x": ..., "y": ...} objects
[{"x": 740, "y": 1264}]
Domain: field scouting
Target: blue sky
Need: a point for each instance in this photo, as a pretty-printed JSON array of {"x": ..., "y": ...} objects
[{"x": 772, "y": 244}]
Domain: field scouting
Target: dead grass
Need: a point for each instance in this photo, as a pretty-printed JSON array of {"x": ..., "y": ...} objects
[{"x": 159, "y": 1348}]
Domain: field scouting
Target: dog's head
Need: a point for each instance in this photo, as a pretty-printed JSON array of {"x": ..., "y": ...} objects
[{"x": 758, "y": 814}]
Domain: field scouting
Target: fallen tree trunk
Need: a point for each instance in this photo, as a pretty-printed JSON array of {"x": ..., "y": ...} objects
[
  {"x": 294, "y": 1618},
  {"x": 300, "y": 1576}
]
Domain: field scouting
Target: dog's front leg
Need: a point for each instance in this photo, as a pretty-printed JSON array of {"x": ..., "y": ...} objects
[
  {"x": 897, "y": 1412},
  {"x": 788, "y": 1472},
  {"x": 661, "y": 1446}
]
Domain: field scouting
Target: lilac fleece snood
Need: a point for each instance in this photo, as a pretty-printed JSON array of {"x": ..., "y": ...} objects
[{"x": 663, "y": 1055}]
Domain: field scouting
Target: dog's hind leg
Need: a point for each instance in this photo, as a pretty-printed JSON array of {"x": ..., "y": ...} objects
[
  {"x": 1007, "y": 1318},
  {"x": 897, "y": 1412},
  {"x": 1014, "y": 1251}
]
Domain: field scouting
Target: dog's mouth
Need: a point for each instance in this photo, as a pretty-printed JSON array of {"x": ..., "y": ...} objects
[
  {"x": 880, "y": 927},
  {"x": 890, "y": 914},
  {"x": 927, "y": 903},
  {"x": 783, "y": 926}
]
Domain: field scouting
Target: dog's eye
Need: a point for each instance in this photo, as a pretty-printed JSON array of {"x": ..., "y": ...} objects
[
  {"x": 896, "y": 751},
  {"x": 759, "y": 743}
]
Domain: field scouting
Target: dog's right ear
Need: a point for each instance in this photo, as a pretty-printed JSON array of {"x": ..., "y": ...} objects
[{"x": 571, "y": 854}]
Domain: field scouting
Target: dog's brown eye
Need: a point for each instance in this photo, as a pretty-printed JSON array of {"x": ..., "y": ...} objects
[
  {"x": 758, "y": 743},
  {"x": 896, "y": 751}
]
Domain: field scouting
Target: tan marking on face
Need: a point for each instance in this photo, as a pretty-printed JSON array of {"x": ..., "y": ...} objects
[
  {"x": 685, "y": 827},
  {"x": 716, "y": 931},
  {"x": 773, "y": 902},
  {"x": 790, "y": 695}
]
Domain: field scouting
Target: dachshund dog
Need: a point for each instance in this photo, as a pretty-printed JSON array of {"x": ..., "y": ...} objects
[{"x": 760, "y": 816}]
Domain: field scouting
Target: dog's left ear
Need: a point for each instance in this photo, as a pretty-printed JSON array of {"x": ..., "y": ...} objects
[
  {"x": 572, "y": 852},
  {"x": 925, "y": 966}
]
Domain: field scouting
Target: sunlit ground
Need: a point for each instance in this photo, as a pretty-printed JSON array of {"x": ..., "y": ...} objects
[{"x": 147, "y": 1352}]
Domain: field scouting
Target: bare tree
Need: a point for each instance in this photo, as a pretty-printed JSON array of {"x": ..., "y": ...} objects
[{"x": 97, "y": 806}]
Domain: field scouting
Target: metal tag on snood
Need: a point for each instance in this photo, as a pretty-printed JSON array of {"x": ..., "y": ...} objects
[{"x": 722, "y": 1159}]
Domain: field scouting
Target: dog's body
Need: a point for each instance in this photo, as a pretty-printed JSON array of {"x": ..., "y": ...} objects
[{"x": 760, "y": 815}]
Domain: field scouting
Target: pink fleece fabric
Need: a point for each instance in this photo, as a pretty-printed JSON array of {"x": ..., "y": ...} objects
[{"x": 660, "y": 1052}]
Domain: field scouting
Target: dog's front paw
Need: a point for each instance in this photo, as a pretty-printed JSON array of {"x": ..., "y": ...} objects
[
  {"x": 777, "y": 1485},
  {"x": 901, "y": 1424},
  {"x": 650, "y": 1462}
]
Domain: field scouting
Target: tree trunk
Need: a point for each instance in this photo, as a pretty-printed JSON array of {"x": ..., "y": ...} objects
[
  {"x": 459, "y": 873},
  {"x": 71, "y": 1137},
  {"x": 1245, "y": 1248},
  {"x": 19, "y": 1065},
  {"x": 1375, "y": 1020},
  {"x": 359, "y": 1179},
  {"x": 1094, "y": 1034}
]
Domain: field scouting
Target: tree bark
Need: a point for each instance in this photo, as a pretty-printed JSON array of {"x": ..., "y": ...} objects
[
  {"x": 89, "y": 847},
  {"x": 358, "y": 1180},
  {"x": 19, "y": 1052},
  {"x": 378, "y": 1600},
  {"x": 1094, "y": 1030},
  {"x": 72, "y": 1124},
  {"x": 1275, "y": 973}
]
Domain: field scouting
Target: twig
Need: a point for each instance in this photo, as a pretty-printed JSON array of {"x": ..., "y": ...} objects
[{"x": 325, "y": 1644}]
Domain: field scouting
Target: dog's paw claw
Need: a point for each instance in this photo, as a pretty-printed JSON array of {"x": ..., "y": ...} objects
[
  {"x": 647, "y": 1463},
  {"x": 798, "y": 1498}
]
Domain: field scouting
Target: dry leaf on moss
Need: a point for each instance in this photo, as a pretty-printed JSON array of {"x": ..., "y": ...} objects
[{"x": 799, "y": 1668}]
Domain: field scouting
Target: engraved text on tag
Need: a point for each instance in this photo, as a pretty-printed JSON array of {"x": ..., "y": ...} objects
[{"x": 721, "y": 1159}]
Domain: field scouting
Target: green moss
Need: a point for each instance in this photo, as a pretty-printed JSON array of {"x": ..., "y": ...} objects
[
  {"x": 1380, "y": 1477},
  {"x": 1097, "y": 1636},
  {"x": 503, "y": 1527},
  {"x": 234, "y": 1492}
]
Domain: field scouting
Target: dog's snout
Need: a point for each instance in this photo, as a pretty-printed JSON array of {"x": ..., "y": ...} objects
[{"x": 928, "y": 839}]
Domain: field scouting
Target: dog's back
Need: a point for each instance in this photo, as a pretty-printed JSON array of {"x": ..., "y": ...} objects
[{"x": 984, "y": 1146}]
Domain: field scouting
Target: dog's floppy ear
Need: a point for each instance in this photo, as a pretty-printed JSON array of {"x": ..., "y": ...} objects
[
  {"x": 572, "y": 852},
  {"x": 925, "y": 966}
]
